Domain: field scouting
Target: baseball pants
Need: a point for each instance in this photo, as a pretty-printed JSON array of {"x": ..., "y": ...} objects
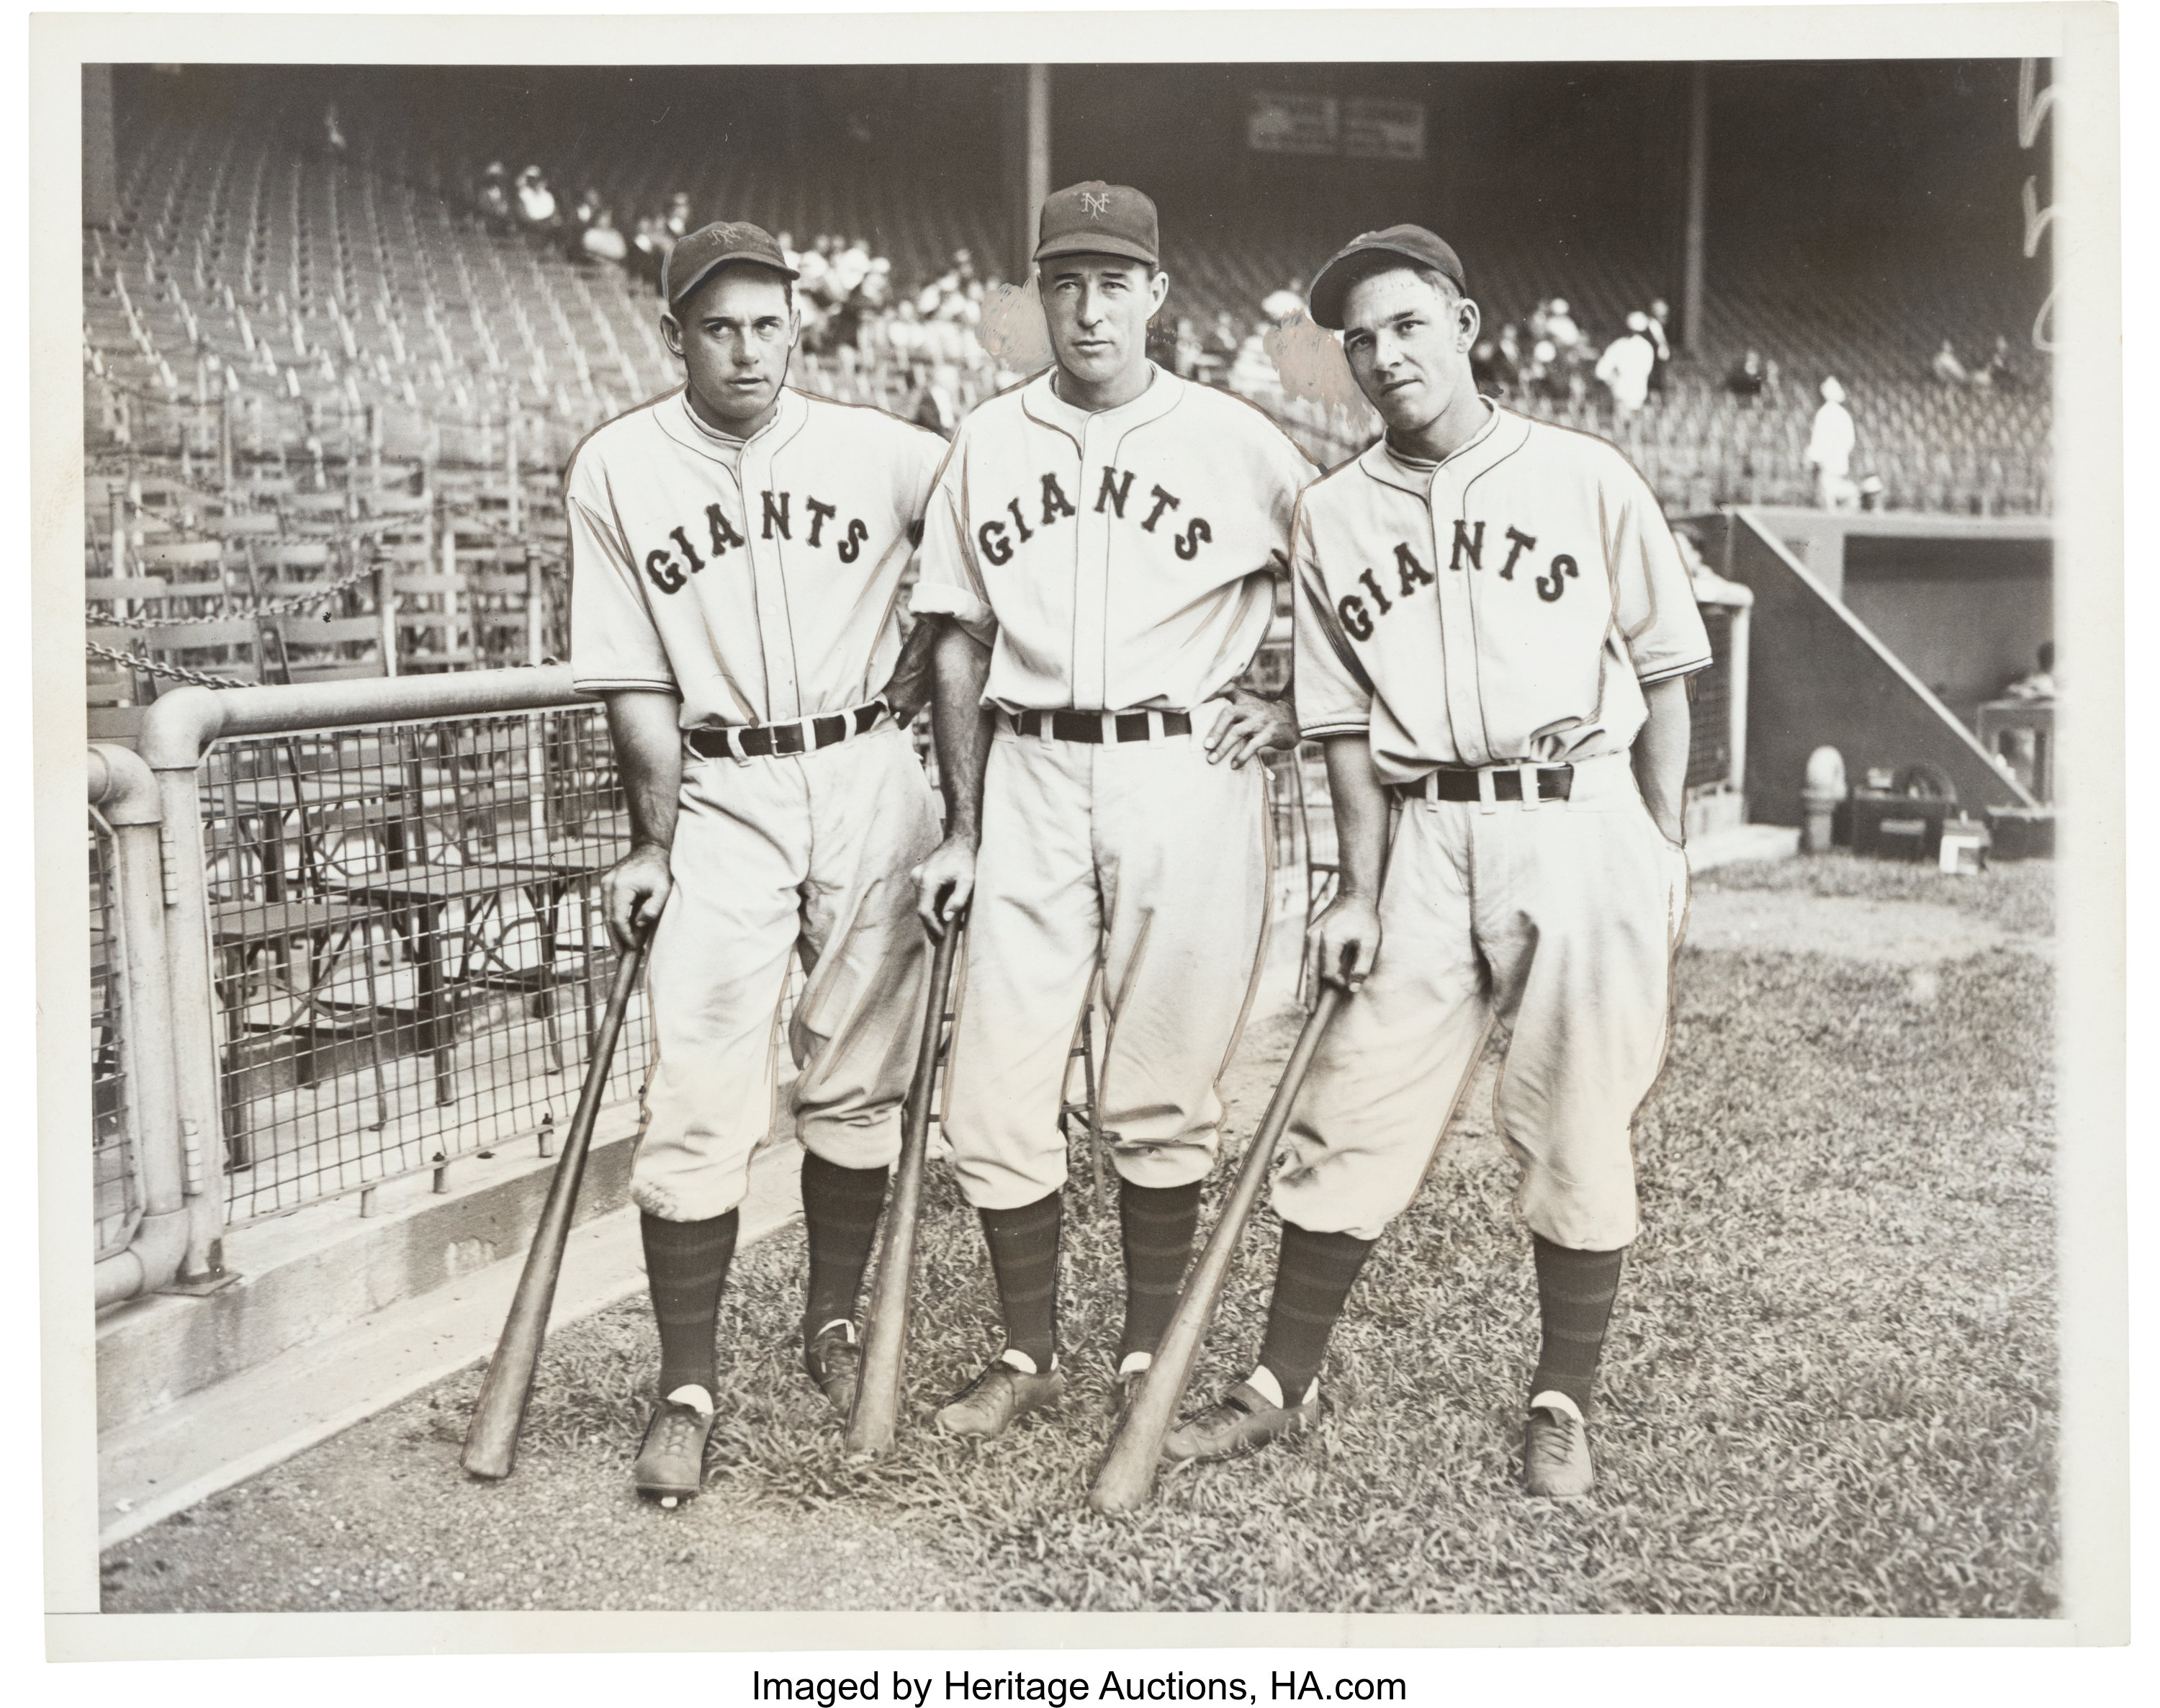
[
  {"x": 811, "y": 855},
  {"x": 1145, "y": 855},
  {"x": 1558, "y": 922}
]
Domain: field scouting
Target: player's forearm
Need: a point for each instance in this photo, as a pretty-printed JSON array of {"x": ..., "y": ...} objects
[
  {"x": 911, "y": 682},
  {"x": 1660, "y": 755},
  {"x": 961, "y": 725},
  {"x": 644, "y": 725},
  {"x": 1360, "y": 815}
]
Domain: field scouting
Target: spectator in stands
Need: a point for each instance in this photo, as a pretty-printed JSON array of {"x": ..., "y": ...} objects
[
  {"x": 333, "y": 136},
  {"x": 1285, "y": 302},
  {"x": 1829, "y": 450},
  {"x": 650, "y": 246},
  {"x": 1185, "y": 355},
  {"x": 1948, "y": 368},
  {"x": 1660, "y": 316},
  {"x": 679, "y": 216},
  {"x": 1624, "y": 368},
  {"x": 491, "y": 195},
  {"x": 1998, "y": 373},
  {"x": 1560, "y": 328},
  {"x": 1747, "y": 376},
  {"x": 536, "y": 202},
  {"x": 600, "y": 240}
]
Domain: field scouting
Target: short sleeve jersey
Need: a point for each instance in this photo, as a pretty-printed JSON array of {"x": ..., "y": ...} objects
[
  {"x": 1116, "y": 560},
  {"x": 762, "y": 584},
  {"x": 1505, "y": 605}
]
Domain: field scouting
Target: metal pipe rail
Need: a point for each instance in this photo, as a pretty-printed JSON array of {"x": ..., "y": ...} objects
[
  {"x": 127, "y": 797},
  {"x": 179, "y": 731}
]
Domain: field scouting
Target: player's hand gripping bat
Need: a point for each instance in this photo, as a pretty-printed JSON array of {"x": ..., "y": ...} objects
[
  {"x": 876, "y": 1410},
  {"x": 492, "y": 1440},
  {"x": 1128, "y": 1474}
]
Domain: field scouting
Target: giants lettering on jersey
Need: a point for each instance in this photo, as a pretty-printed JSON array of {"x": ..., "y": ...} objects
[
  {"x": 997, "y": 540},
  {"x": 664, "y": 568},
  {"x": 1466, "y": 555}
]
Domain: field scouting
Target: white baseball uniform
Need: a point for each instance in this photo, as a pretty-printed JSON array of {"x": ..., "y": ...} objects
[
  {"x": 1501, "y": 608},
  {"x": 760, "y": 581},
  {"x": 1118, "y": 562}
]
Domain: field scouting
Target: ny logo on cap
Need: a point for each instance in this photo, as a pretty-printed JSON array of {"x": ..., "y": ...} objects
[{"x": 1096, "y": 205}]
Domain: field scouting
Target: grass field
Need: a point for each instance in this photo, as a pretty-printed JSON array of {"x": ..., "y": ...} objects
[{"x": 1830, "y": 1388}]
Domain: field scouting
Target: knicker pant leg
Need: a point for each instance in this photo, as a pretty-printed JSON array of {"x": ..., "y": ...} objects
[
  {"x": 1184, "y": 853},
  {"x": 718, "y": 967},
  {"x": 1392, "y": 1068},
  {"x": 1579, "y": 912},
  {"x": 857, "y": 1024},
  {"x": 1032, "y": 933}
]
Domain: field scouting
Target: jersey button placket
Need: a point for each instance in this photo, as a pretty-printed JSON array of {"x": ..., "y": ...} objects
[
  {"x": 1458, "y": 639},
  {"x": 783, "y": 694},
  {"x": 1091, "y": 581}
]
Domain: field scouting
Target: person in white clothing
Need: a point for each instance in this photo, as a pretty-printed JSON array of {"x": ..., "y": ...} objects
[
  {"x": 1829, "y": 450},
  {"x": 1104, "y": 542},
  {"x": 1624, "y": 368},
  {"x": 738, "y": 551}
]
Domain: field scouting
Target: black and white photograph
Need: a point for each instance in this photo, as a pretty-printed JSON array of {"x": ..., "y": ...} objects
[{"x": 1278, "y": 835}]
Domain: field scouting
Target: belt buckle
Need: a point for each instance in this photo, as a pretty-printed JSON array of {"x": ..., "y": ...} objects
[
  {"x": 787, "y": 739},
  {"x": 1528, "y": 772}
]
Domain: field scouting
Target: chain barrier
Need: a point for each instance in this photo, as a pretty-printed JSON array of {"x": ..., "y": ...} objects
[
  {"x": 150, "y": 667},
  {"x": 291, "y": 604}
]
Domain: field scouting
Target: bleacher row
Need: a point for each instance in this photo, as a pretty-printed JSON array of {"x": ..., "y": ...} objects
[{"x": 311, "y": 376}]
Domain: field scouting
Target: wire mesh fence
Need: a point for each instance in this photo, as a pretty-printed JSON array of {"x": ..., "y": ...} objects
[
  {"x": 408, "y": 949},
  {"x": 117, "y": 1204}
]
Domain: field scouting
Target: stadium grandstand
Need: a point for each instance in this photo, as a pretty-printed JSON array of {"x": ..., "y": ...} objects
[{"x": 314, "y": 353}]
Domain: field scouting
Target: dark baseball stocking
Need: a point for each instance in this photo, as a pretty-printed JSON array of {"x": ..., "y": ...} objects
[
  {"x": 686, "y": 1264},
  {"x": 1575, "y": 1290},
  {"x": 1313, "y": 1278},
  {"x": 840, "y": 1208},
  {"x": 1158, "y": 1223},
  {"x": 1024, "y": 1254}
]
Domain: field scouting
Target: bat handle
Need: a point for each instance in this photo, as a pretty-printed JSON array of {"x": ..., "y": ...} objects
[{"x": 874, "y": 1417}]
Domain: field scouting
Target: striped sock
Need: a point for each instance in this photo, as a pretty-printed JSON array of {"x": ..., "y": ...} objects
[
  {"x": 1159, "y": 1223},
  {"x": 1023, "y": 1255},
  {"x": 840, "y": 1208},
  {"x": 686, "y": 1265},
  {"x": 1575, "y": 1290},
  {"x": 1313, "y": 1278}
]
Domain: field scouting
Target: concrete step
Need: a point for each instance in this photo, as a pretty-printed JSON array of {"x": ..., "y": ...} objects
[{"x": 215, "y": 1437}]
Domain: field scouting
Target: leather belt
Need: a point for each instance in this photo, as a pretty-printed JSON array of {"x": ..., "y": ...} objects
[
  {"x": 765, "y": 740},
  {"x": 1102, "y": 726},
  {"x": 1554, "y": 783}
]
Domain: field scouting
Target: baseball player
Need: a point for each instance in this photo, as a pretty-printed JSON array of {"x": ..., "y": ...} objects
[
  {"x": 1494, "y": 628},
  {"x": 738, "y": 549},
  {"x": 1104, "y": 540}
]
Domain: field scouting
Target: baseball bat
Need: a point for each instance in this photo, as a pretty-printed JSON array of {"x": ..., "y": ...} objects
[
  {"x": 491, "y": 1439},
  {"x": 876, "y": 1410},
  {"x": 1128, "y": 1473}
]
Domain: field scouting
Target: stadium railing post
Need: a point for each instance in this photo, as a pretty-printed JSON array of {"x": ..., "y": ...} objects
[{"x": 126, "y": 797}]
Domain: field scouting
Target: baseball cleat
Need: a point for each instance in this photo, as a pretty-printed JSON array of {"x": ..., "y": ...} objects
[
  {"x": 1556, "y": 1454},
  {"x": 833, "y": 1357},
  {"x": 670, "y": 1460},
  {"x": 1242, "y": 1421},
  {"x": 990, "y": 1403}
]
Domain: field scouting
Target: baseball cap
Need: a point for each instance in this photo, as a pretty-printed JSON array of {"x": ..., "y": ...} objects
[
  {"x": 699, "y": 254},
  {"x": 1096, "y": 218},
  {"x": 1410, "y": 243}
]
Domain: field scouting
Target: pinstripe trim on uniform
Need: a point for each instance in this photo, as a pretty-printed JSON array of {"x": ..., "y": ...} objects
[{"x": 1671, "y": 671}]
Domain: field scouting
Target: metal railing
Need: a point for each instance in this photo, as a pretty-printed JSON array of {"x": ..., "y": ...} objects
[{"x": 114, "y": 1146}]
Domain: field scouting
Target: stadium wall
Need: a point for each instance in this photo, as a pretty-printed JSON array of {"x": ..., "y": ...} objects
[{"x": 1819, "y": 675}]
